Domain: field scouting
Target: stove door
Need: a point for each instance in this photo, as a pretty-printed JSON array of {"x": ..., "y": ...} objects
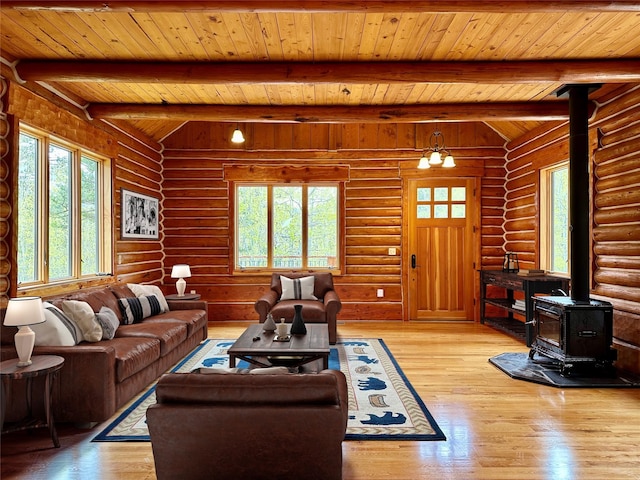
[{"x": 586, "y": 333}]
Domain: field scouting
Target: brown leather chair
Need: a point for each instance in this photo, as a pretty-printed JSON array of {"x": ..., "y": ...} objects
[
  {"x": 243, "y": 426},
  {"x": 323, "y": 310}
]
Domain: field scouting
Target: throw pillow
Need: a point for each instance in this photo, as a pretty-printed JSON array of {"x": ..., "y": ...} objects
[
  {"x": 58, "y": 330},
  {"x": 85, "y": 318},
  {"x": 297, "y": 288},
  {"x": 145, "y": 290},
  {"x": 135, "y": 309},
  {"x": 108, "y": 321}
]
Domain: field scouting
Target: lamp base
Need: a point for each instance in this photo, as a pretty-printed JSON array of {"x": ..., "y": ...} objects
[
  {"x": 25, "y": 340},
  {"x": 181, "y": 285}
]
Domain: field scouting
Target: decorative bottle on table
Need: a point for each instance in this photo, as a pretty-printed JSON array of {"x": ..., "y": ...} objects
[{"x": 298, "y": 327}]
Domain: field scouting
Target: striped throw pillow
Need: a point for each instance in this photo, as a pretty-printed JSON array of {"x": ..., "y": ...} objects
[{"x": 135, "y": 309}]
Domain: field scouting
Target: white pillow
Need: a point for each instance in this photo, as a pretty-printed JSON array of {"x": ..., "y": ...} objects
[
  {"x": 58, "y": 330},
  {"x": 108, "y": 321},
  {"x": 140, "y": 290},
  {"x": 85, "y": 318},
  {"x": 297, "y": 288}
]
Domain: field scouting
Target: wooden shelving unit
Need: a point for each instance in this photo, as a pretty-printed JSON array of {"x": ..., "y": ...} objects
[{"x": 516, "y": 322}]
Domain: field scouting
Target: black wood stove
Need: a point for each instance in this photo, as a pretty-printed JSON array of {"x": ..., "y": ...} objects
[{"x": 576, "y": 330}]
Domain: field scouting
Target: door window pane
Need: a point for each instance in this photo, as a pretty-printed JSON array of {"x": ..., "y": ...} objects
[
  {"x": 424, "y": 194},
  {"x": 441, "y": 194},
  {"x": 458, "y": 211},
  {"x": 424, "y": 211},
  {"x": 441, "y": 211},
  {"x": 458, "y": 194}
]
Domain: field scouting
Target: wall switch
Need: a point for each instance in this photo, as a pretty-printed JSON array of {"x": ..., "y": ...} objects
[
  {"x": 380, "y": 293},
  {"x": 392, "y": 251}
]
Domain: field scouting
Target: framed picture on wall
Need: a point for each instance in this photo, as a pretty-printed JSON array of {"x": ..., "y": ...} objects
[{"x": 139, "y": 214}]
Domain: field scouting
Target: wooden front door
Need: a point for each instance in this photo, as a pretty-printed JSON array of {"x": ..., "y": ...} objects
[{"x": 440, "y": 257}]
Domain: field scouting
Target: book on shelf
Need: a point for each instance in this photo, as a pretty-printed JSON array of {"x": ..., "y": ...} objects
[
  {"x": 519, "y": 305},
  {"x": 531, "y": 272}
]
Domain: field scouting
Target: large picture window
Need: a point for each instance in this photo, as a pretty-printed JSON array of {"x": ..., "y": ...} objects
[
  {"x": 64, "y": 207},
  {"x": 286, "y": 226},
  {"x": 554, "y": 219}
]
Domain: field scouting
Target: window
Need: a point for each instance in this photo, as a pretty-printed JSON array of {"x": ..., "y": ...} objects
[
  {"x": 286, "y": 226},
  {"x": 441, "y": 202},
  {"x": 64, "y": 207},
  {"x": 554, "y": 219}
]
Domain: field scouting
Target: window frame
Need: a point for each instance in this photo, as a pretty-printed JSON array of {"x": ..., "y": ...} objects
[
  {"x": 546, "y": 213},
  {"x": 104, "y": 245},
  {"x": 339, "y": 185}
]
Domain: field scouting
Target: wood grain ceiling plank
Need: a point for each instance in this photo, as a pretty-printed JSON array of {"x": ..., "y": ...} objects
[
  {"x": 418, "y": 29},
  {"x": 20, "y": 38},
  {"x": 271, "y": 35},
  {"x": 329, "y": 32},
  {"x": 585, "y": 38},
  {"x": 370, "y": 31},
  {"x": 211, "y": 48},
  {"x": 386, "y": 36}
]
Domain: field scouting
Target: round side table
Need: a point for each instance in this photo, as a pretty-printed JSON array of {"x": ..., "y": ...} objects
[{"x": 46, "y": 366}]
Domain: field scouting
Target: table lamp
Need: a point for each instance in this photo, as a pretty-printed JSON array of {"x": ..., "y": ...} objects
[
  {"x": 181, "y": 271},
  {"x": 22, "y": 312}
]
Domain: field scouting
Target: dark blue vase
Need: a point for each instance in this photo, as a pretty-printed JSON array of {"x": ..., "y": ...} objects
[{"x": 297, "y": 326}]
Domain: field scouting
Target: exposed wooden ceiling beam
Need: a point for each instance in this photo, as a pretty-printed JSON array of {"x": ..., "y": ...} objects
[
  {"x": 484, "y": 72},
  {"x": 539, "y": 111},
  {"x": 374, "y": 6}
]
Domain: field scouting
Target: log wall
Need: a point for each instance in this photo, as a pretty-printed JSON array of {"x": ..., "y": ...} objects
[
  {"x": 197, "y": 199},
  {"x": 615, "y": 137},
  {"x": 136, "y": 165}
]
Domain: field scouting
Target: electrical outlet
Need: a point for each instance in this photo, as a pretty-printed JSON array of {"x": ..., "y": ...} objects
[
  {"x": 380, "y": 293},
  {"x": 392, "y": 251}
]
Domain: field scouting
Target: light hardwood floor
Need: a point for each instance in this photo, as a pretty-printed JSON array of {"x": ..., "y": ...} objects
[{"x": 496, "y": 427}]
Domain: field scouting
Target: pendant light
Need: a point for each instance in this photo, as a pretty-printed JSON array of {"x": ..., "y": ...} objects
[{"x": 237, "y": 136}]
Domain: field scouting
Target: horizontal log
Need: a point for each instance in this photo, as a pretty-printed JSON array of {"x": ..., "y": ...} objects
[
  {"x": 620, "y": 151},
  {"x": 628, "y": 130},
  {"x": 521, "y": 247},
  {"x": 604, "y": 170},
  {"x": 618, "y": 261},
  {"x": 516, "y": 183},
  {"x": 373, "y": 231},
  {"x": 354, "y": 211},
  {"x": 357, "y": 240},
  {"x": 617, "y": 248},
  {"x": 631, "y": 177},
  {"x": 372, "y": 202},
  {"x": 624, "y": 214},
  {"x": 618, "y": 277},
  {"x": 514, "y": 210},
  {"x": 616, "y": 233},
  {"x": 626, "y": 326},
  {"x": 629, "y": 294},
  {"x": 373, "y": 260},
  {"x": 250, "y": 73},
  {"x": 523, "y": 224},
  {"x": 523, "y": 111},
  {"x": 626, "y": 196},
  {"x": 309, "y": 6}
]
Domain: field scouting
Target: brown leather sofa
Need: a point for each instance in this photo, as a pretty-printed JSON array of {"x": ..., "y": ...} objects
[
  {"x": 253, "y": 427},
  {"x": 98, "y": 378},
  {"x": 323, "y": 310}
]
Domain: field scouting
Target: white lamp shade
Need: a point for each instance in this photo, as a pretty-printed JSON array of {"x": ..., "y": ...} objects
[
  {"x": 24, "y": 311},
  {"x": 435, "y": 158},
  {"x": 180, "y": 270},
  {"x": 424, "y": 163},
  {"x": 448, "y": 162},
  {"x": 237, "y": 136}
]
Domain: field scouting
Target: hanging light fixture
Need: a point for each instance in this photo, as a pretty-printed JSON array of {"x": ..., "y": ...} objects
[
  {"x": 237, "y": 136},
  {"x": 438, "y": 150}
]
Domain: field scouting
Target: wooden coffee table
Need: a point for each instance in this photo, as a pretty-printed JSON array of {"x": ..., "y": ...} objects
[{"x": 266, "y": 352}]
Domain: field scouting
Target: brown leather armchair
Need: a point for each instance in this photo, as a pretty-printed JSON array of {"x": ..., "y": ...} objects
[
  {"x": 323, "y": 310},
  {"x": 243, "y": 426}
]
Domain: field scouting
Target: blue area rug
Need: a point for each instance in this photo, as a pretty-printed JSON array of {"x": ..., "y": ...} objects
[{"x": 382, "y": 403}]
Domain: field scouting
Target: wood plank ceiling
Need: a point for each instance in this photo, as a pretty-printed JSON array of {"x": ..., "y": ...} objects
[{"x": 158, "y": 64}]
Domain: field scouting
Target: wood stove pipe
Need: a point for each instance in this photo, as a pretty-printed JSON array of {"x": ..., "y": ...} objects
[{"x": 579, "y": 159}]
